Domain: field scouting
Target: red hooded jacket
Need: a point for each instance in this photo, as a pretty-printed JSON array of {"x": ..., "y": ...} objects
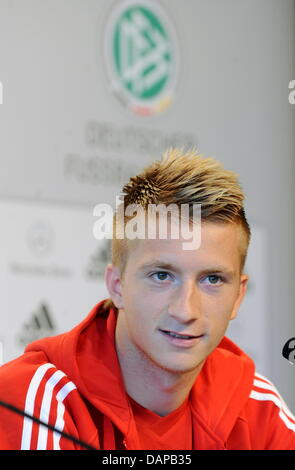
[{"x": 73, "y": 382}]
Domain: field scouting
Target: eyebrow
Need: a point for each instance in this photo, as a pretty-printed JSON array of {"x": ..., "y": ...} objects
[
  {"x": 157, "y": 264},
  {"x": 165, "y": 265}
]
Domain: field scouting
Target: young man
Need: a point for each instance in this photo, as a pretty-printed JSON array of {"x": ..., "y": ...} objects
[{"x": 150, "y": 367}]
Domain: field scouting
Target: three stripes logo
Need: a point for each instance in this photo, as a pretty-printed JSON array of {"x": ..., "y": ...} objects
[
  {"x": 40, "y": 325},
  {"x": 47, "y": 391},
  {"x": 142, "y": 55},
  {"x": 264, "y": 390}
]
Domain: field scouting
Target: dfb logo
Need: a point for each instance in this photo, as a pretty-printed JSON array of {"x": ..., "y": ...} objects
[{"x": 289, "y": 350}]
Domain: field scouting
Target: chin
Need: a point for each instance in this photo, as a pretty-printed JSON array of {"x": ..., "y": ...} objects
[{"x": 179, "y": 368}]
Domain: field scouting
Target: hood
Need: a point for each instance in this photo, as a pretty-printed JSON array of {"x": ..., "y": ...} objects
[{"x": 87, "y": 355}]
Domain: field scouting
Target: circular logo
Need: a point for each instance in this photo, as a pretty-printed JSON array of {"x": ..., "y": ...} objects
[
  {"x": 142, "y": 56},
  {"x": 40, "y": 238}
]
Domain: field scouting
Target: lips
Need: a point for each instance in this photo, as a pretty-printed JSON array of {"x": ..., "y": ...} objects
[
  {"x": 180, "y": 340},
  {"x": 174, "y": 334}
]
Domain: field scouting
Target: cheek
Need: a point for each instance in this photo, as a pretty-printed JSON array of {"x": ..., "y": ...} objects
[
  {"x": 218, "y": 311},
  {"x": 142, "y": 311},
  {"x": 136, "y": 305},
  {"x": 144, "y": 294}
]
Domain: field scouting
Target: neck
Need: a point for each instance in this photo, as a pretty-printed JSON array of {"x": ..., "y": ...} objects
[{"x": 152, "y": 386}]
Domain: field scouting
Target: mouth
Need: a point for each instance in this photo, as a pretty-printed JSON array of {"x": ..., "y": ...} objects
[{"x": 182, "y": 336}]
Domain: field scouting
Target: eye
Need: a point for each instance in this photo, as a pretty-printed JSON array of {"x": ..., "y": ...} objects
[
  {"x": 214, "y": 279},
  {"x": 160, "y": 276}
]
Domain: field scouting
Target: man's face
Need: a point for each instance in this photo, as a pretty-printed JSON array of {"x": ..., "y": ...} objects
[{"x": 174, "y": 304}]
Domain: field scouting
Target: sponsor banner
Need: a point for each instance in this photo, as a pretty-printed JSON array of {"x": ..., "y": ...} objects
[
  {"x": 113, "y": 153},
  {"x": 51, "y": 271}
]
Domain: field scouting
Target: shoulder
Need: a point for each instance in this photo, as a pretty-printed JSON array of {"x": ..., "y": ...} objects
[
  {"x": 35, "y": 386},
  {"x": 269, "y": 416},
  {"x": 264, "y": 392},
  {"x": 27, "y": 374}
]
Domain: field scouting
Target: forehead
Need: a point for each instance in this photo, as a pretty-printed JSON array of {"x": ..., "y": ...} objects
[{"x": 220, "y": 244}]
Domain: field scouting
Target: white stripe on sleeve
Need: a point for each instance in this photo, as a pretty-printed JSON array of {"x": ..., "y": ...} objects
[
  {"x": 30, "y": 403},
  {"x": 277, "y": 401},
  {"x": 272, "y": 388},
  {"x": 265, "y": 384},
  {"x": 45, "y": 408},
  {"x": 59, "y": 424}
]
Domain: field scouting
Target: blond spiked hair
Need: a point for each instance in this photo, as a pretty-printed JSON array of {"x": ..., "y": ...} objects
[{"x": 186, "y": 178}]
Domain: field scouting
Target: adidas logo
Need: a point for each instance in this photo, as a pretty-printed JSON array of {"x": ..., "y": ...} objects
[{"x": 39, "y": 326}]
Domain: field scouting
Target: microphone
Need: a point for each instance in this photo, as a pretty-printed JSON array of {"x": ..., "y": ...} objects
[
  {"x": 288, "y": 351},
  {"x": 14, "y": 409}
]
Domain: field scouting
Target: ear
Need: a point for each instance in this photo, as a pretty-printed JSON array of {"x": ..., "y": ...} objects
[
  {"x": 242, "y": 292},
  {"x": 113, "y": 282}
]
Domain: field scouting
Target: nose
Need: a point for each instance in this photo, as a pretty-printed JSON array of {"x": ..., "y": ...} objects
[{"x": 185, "y": 306}]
